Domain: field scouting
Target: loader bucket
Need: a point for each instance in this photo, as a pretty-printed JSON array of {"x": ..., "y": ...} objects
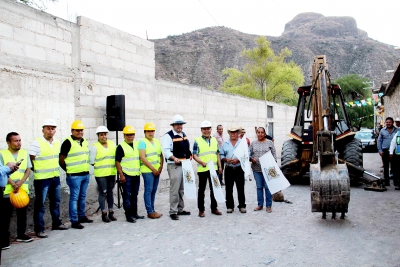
[{"x": 330, "y": 188}]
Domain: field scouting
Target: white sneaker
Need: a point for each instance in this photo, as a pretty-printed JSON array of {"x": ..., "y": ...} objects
[
  {"x": 229, "y": 210},
  {"x": 242, "y": 210}
]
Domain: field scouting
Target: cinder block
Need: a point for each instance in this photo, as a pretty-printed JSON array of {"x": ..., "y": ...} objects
[
  {"x": 86, "y": 100},
  {"x": 136, "y": 59},
  {"x": 23, "y": 35},
  {"x": 6, "y": 31},
  {"x": 50, "y": 30},
  {"x": 136, "y": 40},
  {"x": 88, "y": 56},
  {"x": 86, "y": 44},
  {"x": 10, "y": 18},
  {"x": 117, "y": 43},
  {"x": 55, "y": 57},
  {"x": 118, "y": 82},
  {"x": 103, "y": 38},
  {"x": 117, "y": 63},
  {"x": 124, "y": 55},
  {"x": 147, "y": 44},
  {"x": 35, "y": 52},
  {"x": 112, "y": 51},
  {"x": 68, "y": 60},
  {"x": 100, "y": 101},
  {"x": 106, "y": 90},
  {"x": 45, "y": 41},
  {"x": 11, "y": 47},
  {"x": 130, "y": 47},
  {"x": 131, "y": 67},
  {"x": 67, "y": 36},
  {"x": 103, "y": 60},
  {"x": 87, "y": 34},
  {"x": 63, "y": 47},
  {"x": 101, "y": 79},
  {"x": 98, "y": 48}
]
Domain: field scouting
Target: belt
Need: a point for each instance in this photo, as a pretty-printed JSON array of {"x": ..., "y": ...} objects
[{"x": 233, "y": 168}]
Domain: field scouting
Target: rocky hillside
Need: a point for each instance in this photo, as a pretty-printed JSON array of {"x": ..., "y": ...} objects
[{"x": 199, "y": 57}]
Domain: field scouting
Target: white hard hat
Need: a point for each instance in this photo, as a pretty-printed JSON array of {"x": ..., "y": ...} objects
[
  {"x": 101, "y": 129},
  {"x": 177, "y": 120},
  {"x": 205, "y": 124},
  {"x": 397, "y": 119},
  {"x": 49, "y": 122}
]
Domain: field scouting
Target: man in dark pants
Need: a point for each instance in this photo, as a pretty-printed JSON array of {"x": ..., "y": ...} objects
[
  {"x": 385, "y": 137},
  {"x": 394, "y": 152},
  {"x": 233, "y": 171},
  {"x": 128, "y": 166}
]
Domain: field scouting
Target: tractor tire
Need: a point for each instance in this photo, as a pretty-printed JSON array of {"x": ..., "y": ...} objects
[
  {"x": 352, "y": 152},
  {"x": 289, "y": 153}
]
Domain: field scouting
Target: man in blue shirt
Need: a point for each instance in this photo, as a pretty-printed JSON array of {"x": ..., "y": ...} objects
[
  {"x": 233, "y": 171},
  {"x": 385, "y": 137}
]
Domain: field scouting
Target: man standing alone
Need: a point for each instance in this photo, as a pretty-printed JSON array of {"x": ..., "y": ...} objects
[
  {"x": 385, "y": 137},
  {"x": 176, "y": 147},
  {"x": 44, "y": 155},
  {"x": 220, "y": 139}
]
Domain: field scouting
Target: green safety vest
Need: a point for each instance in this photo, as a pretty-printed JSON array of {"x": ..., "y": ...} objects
[
  {"x": 130, "y": 163},
  {"x": 153, "y": 153},
  {"x": 19, "y": 174},
  {"x": 397, "y": 150},
  {"x": 46, "y": 164},
  {"x": 207, "y": 152},
  {"x": 77, "y": 159},
  {"x": 104, "y": 164}
]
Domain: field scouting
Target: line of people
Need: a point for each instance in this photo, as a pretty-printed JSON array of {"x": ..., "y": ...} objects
[{"x": 129, "y": 159}]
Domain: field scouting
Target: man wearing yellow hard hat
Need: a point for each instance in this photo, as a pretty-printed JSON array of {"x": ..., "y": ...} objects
[
  {"x": 128, "y": 166},
  {"x": 44, "y": 153},
  {"x": 151, "y": 166},
  {"x": 102, "y": 157},
  {"x": 17, "y": 180},
  {"x": 74, "y": 160}
]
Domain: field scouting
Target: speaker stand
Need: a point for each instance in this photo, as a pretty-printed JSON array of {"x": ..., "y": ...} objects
[{"x": 119, "y": 187}]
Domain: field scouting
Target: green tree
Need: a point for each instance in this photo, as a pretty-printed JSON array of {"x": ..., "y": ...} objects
[
  {"x": 267, "y": 75},
  {"x": 39, "y": 4},
  {"x": 355, "y": 88}
]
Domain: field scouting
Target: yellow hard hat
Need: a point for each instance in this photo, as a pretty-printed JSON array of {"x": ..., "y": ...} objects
[
  {"x": 20, "y": 199},
  {"x": 128, "y": 130},
  {"x": 77, "y": 125},
  {"x": 149, "y": 127}
]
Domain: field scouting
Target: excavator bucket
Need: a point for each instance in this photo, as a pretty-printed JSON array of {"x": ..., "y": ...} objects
[{"x": 330, "y": 188}]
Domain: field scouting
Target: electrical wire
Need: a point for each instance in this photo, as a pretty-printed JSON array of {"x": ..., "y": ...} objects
[{"x": 209, "y": 13}]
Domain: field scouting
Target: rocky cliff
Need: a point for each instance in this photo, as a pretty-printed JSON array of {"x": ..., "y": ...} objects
[{"x": 199, "y": 57}]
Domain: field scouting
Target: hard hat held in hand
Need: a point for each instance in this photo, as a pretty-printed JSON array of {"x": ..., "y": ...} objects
[
  {"x": 101, "y": 129},
  {"x": 205, "y": 124},
  {"x": 149, "y": 127},
  {"x": 128, "y": 130},
  {"x": 49, "y": 122},
  {"x": 178, "y": 119},
  {"x": 20, "y": 199},
  {"x": 77, "y": 125}
]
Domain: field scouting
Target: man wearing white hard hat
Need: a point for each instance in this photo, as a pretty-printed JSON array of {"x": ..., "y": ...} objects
[
  {"x": 205, "y": 148},
  {"x": 43, "y": 153},
  {"x": 102, "y": 158},
  {"x": 176, "y": 147},
  {"x": 397, "y": 122}
]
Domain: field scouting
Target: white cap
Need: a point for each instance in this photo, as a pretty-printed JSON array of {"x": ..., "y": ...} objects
[
  {"x": 101, "y": 129},
  {"x": 397, "y": 119},
  {"x": 205, "y": 124},
  {"x": 49, "y": 122},
  {"x": 178, "y": 119}
]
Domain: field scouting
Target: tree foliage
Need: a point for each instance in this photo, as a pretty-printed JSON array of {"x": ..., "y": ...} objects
[
  {"x": 39, "y": 4},
  {"x": 354, "y": 88},
  {"x": 267, "y": 75}
]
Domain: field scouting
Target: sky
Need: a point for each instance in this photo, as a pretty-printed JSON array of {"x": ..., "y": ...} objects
[{"x": 155, "y": 19}]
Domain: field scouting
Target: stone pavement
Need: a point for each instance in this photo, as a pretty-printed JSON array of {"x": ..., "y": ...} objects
[{"x": 289, "y": 236}]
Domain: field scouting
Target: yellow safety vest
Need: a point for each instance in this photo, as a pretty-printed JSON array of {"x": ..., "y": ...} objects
[
  {"x": 104, "y": 164},
  {"x": 46, "y": 164},
  {"x": 130, "y": 163},
  {"x": 207, "y": 152},
  {"x": 153, "y": 153},
  {"x": 77, "y": 159},
  {"x": 18, "y": 175}
]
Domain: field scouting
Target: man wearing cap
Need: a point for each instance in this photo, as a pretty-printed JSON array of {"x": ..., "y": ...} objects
[
  {"x": 151, "y": 166},
  {"x": 218, "y": 135},
  {"x": 17, "y": 180},
  {"x": 74, "y": 160},
  {"x": 205, "y": 148},
  {"x": 44, "y": 153},
  {"x": 397, "y": 122},
  {"x": 233, "y": 170},
  {"x": 385, "y": 137},
  {"x": 102, "y": 157},
  {"x": 176, "y": 147},
  {"x": 128, "y": 166}
]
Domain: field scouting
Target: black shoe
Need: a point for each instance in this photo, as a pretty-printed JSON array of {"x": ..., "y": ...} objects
[
  {"x": 130, "y": 218},
  {"x": 105, "y": 218},
  {"x": 24, "y": 238},
  {"x": 184, "y": 212},
  {"x": 111, "y": 216},
  {"x": 85, "y": 220},
  {"x": 139, "y": 217},
  {"x": 174, "y": 217},
  {"x": 5, "y": 247},
  {"x": 77, "y": 225}
]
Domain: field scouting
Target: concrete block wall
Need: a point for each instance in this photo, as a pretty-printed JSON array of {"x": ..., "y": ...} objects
[{"x": 392, "y": 108}]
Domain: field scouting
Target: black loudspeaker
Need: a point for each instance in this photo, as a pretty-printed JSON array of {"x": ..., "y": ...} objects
[{"x": 115, "y": 112}]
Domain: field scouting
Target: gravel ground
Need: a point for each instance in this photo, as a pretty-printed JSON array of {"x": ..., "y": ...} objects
[{"x": 289, "y": 236}]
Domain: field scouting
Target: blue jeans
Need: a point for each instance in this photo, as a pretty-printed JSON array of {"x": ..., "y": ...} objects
[
  {"x": 150, "y": 189},
  {"x": 46, "y": 187},
  {"x": 77, "y": 199},
  {"x": 105, "y": 186},
  {"x": 130, "y": 190},
  {"x": 261, "y": 187}
]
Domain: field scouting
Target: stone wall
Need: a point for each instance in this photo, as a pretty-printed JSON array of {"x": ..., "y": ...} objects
[{"x": 52, "y": 68}]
